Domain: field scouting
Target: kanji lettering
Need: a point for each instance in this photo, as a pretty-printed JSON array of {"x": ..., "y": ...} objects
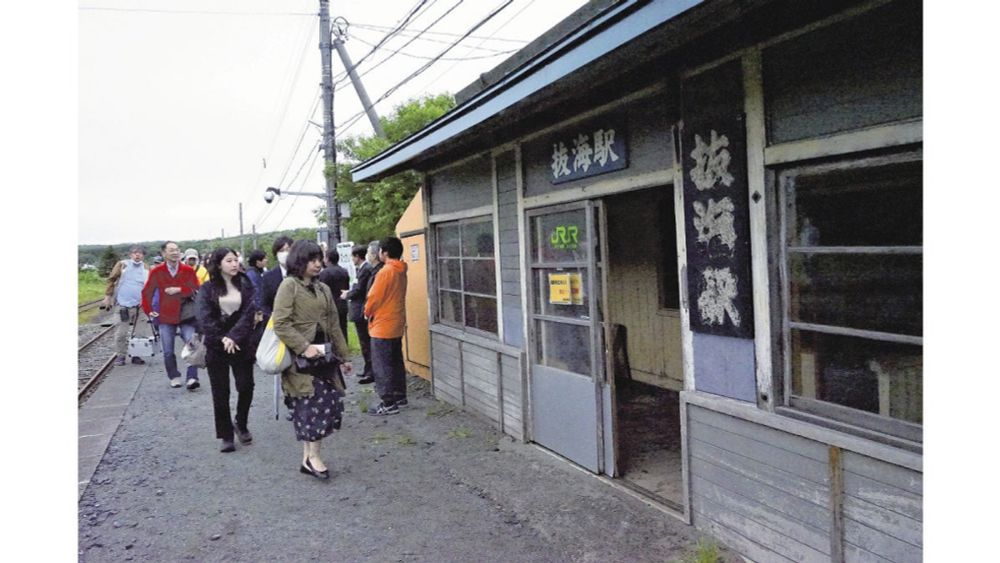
[
  {"x": 582, "y": 152},
  {"x": 603, "y": 141},
  {"x": 560, "y": 160},
  {"x": 711, "y": 162}
]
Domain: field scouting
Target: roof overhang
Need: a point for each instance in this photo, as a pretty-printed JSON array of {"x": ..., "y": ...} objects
[{"x": 604, "y": 33}]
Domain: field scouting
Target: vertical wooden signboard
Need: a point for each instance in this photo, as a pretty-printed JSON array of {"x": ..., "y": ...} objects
[{"x": 716, "y": 207}]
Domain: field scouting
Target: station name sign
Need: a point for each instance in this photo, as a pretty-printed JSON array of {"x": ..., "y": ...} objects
[{"x": 587, "y": 150}]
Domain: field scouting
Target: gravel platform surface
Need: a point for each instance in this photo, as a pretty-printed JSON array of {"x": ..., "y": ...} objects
[{"x": 433, "y": 483}]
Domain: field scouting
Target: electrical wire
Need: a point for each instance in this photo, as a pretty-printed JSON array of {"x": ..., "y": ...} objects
[
  {"x": 284, "y": 109},
  {"x": 423, "y": 57},
  {"x": 391, "y": 54},
  {"x": 199, "y": 12},
  {"x": 426, "y": 65},
  {"x": 374, "y": 27},
  {"x": 500, "y": 27},
  {"x": 304, "y": 180},
  {"x": 433, "y": 40},
  {"x": 391, "y": 33}
]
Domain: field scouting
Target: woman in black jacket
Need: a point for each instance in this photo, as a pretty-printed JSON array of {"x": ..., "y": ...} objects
[{"x": 225, "y": 313}]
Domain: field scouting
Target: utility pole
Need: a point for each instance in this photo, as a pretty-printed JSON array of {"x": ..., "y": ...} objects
[
  {"x": 329, "y": 146},
  {"x": 340, "y": 31},
  {"x": 242, "y": 247},
  {"x": 223, "y": 235},
  {"x": 253, "y": 229}
]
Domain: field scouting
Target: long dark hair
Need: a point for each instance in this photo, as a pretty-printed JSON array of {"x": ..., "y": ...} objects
[{"x": 214, "y": 271}]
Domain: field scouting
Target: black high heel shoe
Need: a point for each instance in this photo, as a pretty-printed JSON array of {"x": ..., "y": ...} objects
[{"x": 308, "y": 469}]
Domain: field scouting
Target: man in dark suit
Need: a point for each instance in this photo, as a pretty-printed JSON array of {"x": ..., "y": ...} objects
[
  {"x": 356, "y": 309},
  {"x": 272, "y": 279},
  {"x": 338, "y": 280}
]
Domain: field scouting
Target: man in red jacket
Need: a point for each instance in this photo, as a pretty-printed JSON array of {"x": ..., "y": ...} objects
[{"x": 177, "y": 283}]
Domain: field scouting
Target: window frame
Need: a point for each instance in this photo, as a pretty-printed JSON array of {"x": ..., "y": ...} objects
[
  {"x": 882, "y": 428},
  {"x": 461, "y": 291}
]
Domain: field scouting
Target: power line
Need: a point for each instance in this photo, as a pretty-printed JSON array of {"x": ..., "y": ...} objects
[
  {"x": 392, "y": 33},
  {"x": 284, "y": 110},
  {"x": 303, "y": 185},
  {"x": 428, "y": 64},
  {"x": 423, "y": 57},
  {"x": 500, "y": 27},
  {"x": 382, "y": 28},
  {"x": 198, "y": 12},
  {"x": 391, "y": 54},
  {"x": 433, "y": 40}
]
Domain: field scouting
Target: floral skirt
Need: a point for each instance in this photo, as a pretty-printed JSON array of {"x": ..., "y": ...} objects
[{"x": 318, "y": 415}]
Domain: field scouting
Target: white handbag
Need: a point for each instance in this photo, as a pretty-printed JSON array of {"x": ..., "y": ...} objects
[{"x": 272, "y": 354}]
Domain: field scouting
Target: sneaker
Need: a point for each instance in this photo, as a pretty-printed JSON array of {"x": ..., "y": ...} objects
[
  {"x": 138, "y": 361},
  {"x": 242, "y": 433},
  {"x": 193, "y": 384},
  {"x": 120, "y": 361},
  {"x": 382, "y": 409},
  {"x": 176, "y": 382},
  {"x": 366, "y": 380},
  {"x": 402, "y": 403}
]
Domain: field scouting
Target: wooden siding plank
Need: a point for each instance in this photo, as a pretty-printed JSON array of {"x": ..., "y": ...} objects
[
  {"x": 899, "y": 477},
  {"x": 738, "y": 542},
  {"x": 779, "y": 541},
  {"x": 484, "y": 409},
  {"x": 855, "y": 554},
  {"x": 782, "y": 440},
  {"x": 480, "y": 352},
  {"x": 885, "y": 521},
  {"x": 775, "y": 477},
  {"x": 879, "y": 543},
  {"x": 777, "y": 499},
  {"x": 448, "y": 396},
  {"x": 886, "y": 496},
  {"x": 764, "y": 453},
  {"x": 745, "y": 508}
]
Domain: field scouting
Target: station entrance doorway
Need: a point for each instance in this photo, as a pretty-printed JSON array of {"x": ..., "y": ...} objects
[{"x": 605, "y": 339}]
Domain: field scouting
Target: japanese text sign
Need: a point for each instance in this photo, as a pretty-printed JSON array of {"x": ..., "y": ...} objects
[{"x": 587, "y": 150}]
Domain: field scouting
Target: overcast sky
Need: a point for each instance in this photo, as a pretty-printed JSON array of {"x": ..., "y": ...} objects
[{"x": 181, "y": 103}]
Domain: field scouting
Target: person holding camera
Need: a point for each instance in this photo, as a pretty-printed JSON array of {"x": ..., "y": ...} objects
[
  {"x": 306, "y": 320},
  {"x": 225, "y": 311},
  {"x": 124, "y": 290}
]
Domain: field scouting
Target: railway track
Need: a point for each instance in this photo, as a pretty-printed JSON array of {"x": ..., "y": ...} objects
[
  {"x": 94, "y": 357},
  {"x": 88, "y": 305}
]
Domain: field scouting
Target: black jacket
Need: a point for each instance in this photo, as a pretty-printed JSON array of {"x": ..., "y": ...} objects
[
  {"x": 214, "y": 324},
  {"x": 272, "y": 279},
  {"x": 357, "y": 295},
  {"x": 337, "y": 279}
]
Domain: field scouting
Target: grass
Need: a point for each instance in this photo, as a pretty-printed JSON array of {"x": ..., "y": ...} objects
[
  {"x": 379, "y": 437},
  {"x": 365, "y": 400},
  {"x": 406, "y": 441},
  {"x": 353, "y": 344},
  {"x": 704, "y": 552},
  {"x": 89, "y": 287},
  {"x": 460, "y": 432},
  {"x": 440, "y": 409}
]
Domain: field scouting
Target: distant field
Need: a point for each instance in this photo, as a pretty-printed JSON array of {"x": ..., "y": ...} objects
[{"x": 90, "y": 286}]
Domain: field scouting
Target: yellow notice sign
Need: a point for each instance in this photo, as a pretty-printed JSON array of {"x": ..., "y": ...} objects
[
  {"x": 576, "y": 288},
  {"x": 559, "y": 289}
]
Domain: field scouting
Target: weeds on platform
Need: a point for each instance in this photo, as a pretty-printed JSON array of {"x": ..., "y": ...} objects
[
  {"x": 440, "y": 409},
  {"x": 379, "y": 437},
  {"x": 365, "y": 400},
  {"x": 460, "y": 432},
  {"x": 705, "y": 551},
  {"x": 406, "y": 441}
]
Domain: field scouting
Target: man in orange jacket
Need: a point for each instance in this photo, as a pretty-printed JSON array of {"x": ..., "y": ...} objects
[{"x": 385, "y": 310}]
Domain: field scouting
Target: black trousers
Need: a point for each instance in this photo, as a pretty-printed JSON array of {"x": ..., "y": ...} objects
[
  {"x": 361, "y": 327},
  {"x": 218, "y": 366},
  {"x": 390, "y": 372}
]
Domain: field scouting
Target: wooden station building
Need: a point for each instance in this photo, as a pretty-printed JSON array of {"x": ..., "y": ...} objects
[{"x": 679, "y": 244}]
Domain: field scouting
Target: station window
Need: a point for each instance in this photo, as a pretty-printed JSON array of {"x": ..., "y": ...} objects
[
  {"x": 851, "y": 263},
  {"x": 466, "y": 265}
]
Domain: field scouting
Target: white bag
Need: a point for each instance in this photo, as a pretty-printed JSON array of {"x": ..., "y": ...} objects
[
  {"x": 194, "y": 351},
  {"x": 272, "y": 354}
]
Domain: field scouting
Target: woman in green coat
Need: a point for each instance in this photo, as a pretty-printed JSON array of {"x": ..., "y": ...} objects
[{"x": 306, "y": 320}]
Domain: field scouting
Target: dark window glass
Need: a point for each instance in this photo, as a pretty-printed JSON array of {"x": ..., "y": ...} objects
[
  {"x": 481, "y": 313},
  {"x": 448, "y": 239},
  {"x": 563, "y": 346},
  {"x": 450, "y": 273},
  {"x": 480, "y": 276},
  {"x": 477, "y": 239},
  {"x": 451, "y": 306}
]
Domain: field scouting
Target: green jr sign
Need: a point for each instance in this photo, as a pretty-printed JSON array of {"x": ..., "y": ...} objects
[{"x": 565, "y": 237}]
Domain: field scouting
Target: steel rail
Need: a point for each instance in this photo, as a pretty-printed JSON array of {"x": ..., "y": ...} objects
[
  {"x": 93, "y": 380},
  {"x": 96, "y": 338}
]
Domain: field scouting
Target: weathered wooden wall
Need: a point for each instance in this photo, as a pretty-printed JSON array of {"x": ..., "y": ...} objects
[
  {"x": 767, "y": 493},
  {"x": 510, "y": 249},
  {"x": 480, "y": 378}
]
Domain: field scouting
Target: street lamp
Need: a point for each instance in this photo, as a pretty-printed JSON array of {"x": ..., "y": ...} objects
[{"x": 271, "y": 192}]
